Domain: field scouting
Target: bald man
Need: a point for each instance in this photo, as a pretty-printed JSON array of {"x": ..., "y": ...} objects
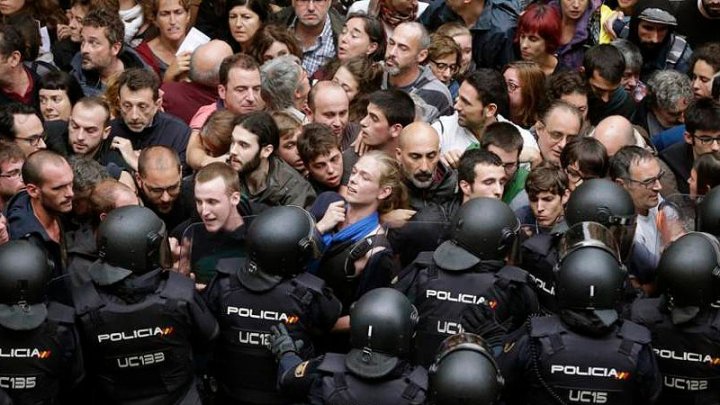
[
  {"x": 183, "y": 98},
  {"x": 614, "y": 132},
  {"x": 159, "y": 181},
  {"x": 418, "y": 153},
  {"x": 432, "y": 188}
]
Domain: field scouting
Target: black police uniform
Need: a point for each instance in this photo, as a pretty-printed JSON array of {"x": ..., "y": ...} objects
[
  {"x": 41, "y": 365},
  {"x": 244, "y": 367},
  {"x": 687, "y": 353},
  {"x": 139, "y": 335},
  {"x": 550, "y": 362},
  {"x": 326, "y": 380},
  {"x": 441, "y": 295}
]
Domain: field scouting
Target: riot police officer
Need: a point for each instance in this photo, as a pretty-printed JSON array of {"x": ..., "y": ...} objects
[
  {"x": 464, "y": 372},
  {"x": 684, "y": 323},
  {"x": 708, "y": 213},
  {"x": 584, "y": 354},
  {"x": 249, "y": 295},
  {"x": 596, "y": 200},
  {"x": 40, "y": 357},
  {"x": 467, "y": 271},
  {"x": 140, "y": 322},
  {"x": 375, "y": 371}
]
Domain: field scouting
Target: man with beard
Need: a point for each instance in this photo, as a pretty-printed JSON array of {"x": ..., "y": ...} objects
[
  {"x": 433, "y": 192},
  {"x": 698, "y": 20},
  {"x": 102, "y": 52},
  {"x": 11, "y": 181},
  {"x": 652, "y": 30},
  {"x": 406, "y": 49},
  {"x": 265, "y": 178},
  {"x": 160, "y": 185},
  {"x": 34, "y": 214}
]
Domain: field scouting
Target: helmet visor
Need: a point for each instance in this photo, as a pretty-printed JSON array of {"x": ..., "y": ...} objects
[{"x": 586, "y": 234}]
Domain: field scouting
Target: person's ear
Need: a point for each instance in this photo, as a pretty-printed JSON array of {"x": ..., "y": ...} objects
[
  {"x": 384, "y": 193},
  {"x": 465, "y": 187},
  {"x": 565, "y": 197},
  {"x": 422, "y": 55},
  {"x": 33, "y": 190},
  {"x": 491, "y": 110},
  {"x": 688, "y": 138},
  {"x": 235, "y": 198},
  {"x": 266, "y": 151}
]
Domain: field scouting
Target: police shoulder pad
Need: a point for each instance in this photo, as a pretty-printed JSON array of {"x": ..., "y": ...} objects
[
  {"x": 419, "y": 377},
  {"x": 424, "y": 259},
  {"x": 546, "y": 326},
  {"x": 178, "y": 287},
  {"x": 332, "y": 363},
  {"x": 637, "y": 333},
  {"x": 513, "y": 274},
  {"x": 310, "y": 281},
  {"x": 229, "y": 265},
  {"x": 61, "y": 313},
  {"x": 646, "y": 311}
]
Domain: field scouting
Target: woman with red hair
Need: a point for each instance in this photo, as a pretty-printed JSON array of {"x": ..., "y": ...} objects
[{"x": 538, "y": 36}]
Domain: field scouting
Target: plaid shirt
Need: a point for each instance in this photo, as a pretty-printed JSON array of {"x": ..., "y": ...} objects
[{"x": 323, "y": 50}]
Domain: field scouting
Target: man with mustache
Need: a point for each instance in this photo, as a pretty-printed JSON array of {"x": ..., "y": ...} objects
[
  {"x": 652, "y": 29},
  {"x": 34, "y": 213},
  {"x": 698, "y": 20},
  {"x": 102, "y": 52},
  {"x": 406, "y": 49}
]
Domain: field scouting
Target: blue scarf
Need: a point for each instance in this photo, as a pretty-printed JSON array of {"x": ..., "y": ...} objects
[{"x": 353, "y": 233}]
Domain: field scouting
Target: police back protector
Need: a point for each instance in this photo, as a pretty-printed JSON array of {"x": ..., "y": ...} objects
[
  {"x": 341, "y": 387},
  {"x": 140, "y": 350},
  {"x": 583, "y": 369},
  {"x": 246, "y": 370},
  {"x": 32, "y": 361},
  {"x": 688, "y": 354}
]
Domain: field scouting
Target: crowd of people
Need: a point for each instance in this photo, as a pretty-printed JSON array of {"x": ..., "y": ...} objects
[{"x": 378, "y": 201}]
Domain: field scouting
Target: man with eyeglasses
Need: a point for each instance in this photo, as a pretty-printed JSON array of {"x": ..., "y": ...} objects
[
  {"x": 141, "y": 123},
  {"x": 669, "y": 93},
  {"x": 159, "y": 181},
  {"x": 702, "y": 135},
  {"x": 21, "y": 125},
  {"x": 639, "y": 172},
  {"x": 11, "y": 161},
  {"x": 557, "y": 126},
  {"x": 316, "y": 26}
]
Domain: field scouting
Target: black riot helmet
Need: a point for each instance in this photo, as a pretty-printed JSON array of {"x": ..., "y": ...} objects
[
  {"x": 382, "y": 325},
  {"x": 131, "y": 239},
  {"x": 607, "y": 203},
  {"x": 24, "y": 274},
  {"x": 464, "y": 372},
  {"x": 483, "y": 229},
  {"x": 589, "y": 273},
  {"x": 689, "y": 271},
  {"x": 708, "y": 212},
  {"x": 281, "y": 241}
]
